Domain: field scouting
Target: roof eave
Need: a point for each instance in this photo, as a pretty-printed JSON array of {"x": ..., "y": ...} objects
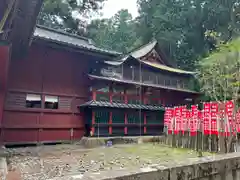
[
  {"x": 80, "y": 48},
  {"x": 118, "y": 63}
]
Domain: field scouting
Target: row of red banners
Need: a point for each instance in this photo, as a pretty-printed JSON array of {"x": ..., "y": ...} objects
[{"x": 215, "y": 118}]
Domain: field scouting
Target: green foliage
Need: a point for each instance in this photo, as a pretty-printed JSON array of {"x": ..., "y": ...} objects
[
  {"x": 59, "y": 14},
  {"x": 219, "y": 74},
  {"x": 116, "y": 33},
  {"x": 180, "y": 26}
]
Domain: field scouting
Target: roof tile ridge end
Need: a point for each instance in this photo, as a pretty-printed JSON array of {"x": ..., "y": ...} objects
[
  {"x": 142, "y": 46},
  {"x": 63, "y": 32}
]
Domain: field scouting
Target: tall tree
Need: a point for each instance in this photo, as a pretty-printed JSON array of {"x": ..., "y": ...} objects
[
  {"x": 117, "y": 33},
  {"x": 219, "y": 75},
  {"x": 63, "y": 14},
  {"x": 181, "y": 25}
]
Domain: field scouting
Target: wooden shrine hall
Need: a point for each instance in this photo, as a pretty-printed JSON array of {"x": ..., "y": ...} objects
[
  {"x": 57, "y": 87},
  {"x": 129, "y": 92}
]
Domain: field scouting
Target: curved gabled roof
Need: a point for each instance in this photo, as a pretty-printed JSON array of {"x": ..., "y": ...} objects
[
  {"x": 137, "y": 54},
  {"x": 143, "y": 51}
]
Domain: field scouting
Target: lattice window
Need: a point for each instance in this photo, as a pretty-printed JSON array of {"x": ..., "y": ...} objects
[
  {"x": 154, "y": 118},
  {"x": 118, "y": 117},
  {"x": 65, "y": 103},
  {"x": 101, "y": 117},
  {"x": 15, "y": 100},
  {"x": 136, "y": 117}
]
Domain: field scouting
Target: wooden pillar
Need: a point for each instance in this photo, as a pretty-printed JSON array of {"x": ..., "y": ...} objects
[
  {"x": 125, "y": 114},
  {"x": 125, "y": 123},
  {"x": 125, "y": 97},
  {"x": 110, "y": 114},
  {"x": 110, "y": 94},
  {"x": 93, "y": 123},
  {"x": 94, "y": 95},
  {"x": 110, "y": 123},
  {"x": 163, "y": 103},
  {"x": 5, "y": 51},
  {"x": 145, "y": 122}
]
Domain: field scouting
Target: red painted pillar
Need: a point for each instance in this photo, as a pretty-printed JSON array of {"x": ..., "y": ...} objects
[
  {"x": 125, "y": 114},
  {"x": 145, "y": 122},
  {"x": 94, "y": 95},
  {"x": 5, "y": 51},
  {"x": 125, "y": 123},
  {"x": 110, "y": 94},
  {"x": 145, "y": 99},
  {"x": 93, "y": 123},
  {"x": 110, "y": 123},
  {"x": 125, "y": 97}
]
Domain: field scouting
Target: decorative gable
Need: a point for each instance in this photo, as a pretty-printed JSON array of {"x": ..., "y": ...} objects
[{"x": 153, "y": 57}]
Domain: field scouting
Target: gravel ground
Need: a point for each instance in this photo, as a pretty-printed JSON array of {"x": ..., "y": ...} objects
[{"x": 46, "y": 162}]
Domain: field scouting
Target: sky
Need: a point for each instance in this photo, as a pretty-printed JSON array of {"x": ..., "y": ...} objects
[{"x": 111, "y": 7}]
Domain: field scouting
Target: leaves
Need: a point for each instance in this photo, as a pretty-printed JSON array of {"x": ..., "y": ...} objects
[
  {"x": 117, "y": 33},
  {"x": 63, "y": 14},
  {"x": 219, "y": 74},
  {"x": 181, "y": 26}
]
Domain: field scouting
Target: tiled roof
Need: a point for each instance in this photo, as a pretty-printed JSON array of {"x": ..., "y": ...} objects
[
  {"x": 141, "y": 84},
  {"x": 167, "y": 68},
  {"x": 142, "y": 51},
  {"x": 154, "y": 65},
  {"x": 69, "y": 39},
  {"x": 121, "y": 105},
  {"x": 87, "y": 44}
]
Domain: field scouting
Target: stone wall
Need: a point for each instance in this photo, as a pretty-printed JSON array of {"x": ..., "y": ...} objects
[{"x": 216, "y": 167}]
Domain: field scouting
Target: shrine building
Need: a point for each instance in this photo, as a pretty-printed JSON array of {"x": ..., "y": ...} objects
[{"x": 57, "y": 87}]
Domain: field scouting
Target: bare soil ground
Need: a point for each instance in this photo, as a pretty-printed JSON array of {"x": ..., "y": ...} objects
[{"x": 46, "y": 162}]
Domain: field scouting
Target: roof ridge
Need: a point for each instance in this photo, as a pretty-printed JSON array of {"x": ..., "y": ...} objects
[
  {"x": 64, "y": 33},
  {"x": 141, "y": 47},
  {"x": 125, "y": 56}
]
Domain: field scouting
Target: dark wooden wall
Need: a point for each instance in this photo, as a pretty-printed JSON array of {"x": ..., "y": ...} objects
[
  {"x": 45, "y": 71},
  {"x": 4, "y": 62}
]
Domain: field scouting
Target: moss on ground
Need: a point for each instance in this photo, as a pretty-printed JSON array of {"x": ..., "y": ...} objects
[{"x": 61, "y": 159}]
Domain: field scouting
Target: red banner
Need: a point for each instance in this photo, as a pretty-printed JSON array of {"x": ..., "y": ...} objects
[
  {"x": 171, "y": 121},
  {"x": 178, "y": 113},
  {"x": 230, "y": 125},
  {"x": 167, "y": 118},
  {"x": 206, "y": 118},
  {"x": 237, "y": 119},
  {"x": 214, "y": 118},
  {"x": 184, "y": 119},
  {"x": 194, "y": 120}
]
